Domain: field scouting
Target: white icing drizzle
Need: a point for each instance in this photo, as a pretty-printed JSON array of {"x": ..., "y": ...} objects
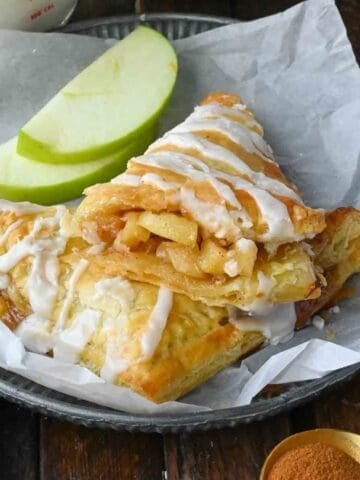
[
  {"x": 273, "y": 211},
  {"x": 147, "y": 179},
  {"x": 240, "y": 106},
  {"x": 69, "y": 297},
  {"x": 9, "y": 230},
  {"x": 118, "y": 289},
  {"x": 122, "y": 292},
  {"x": 275, "y": 215},
  {"x": 191, "y": 167},
  {"x": 127, "y": 179},
  {"x": 276, "y": 322},
  {"x": 71, "y": 341},
  {"x": 215, "y": 218},
  {"x": 21, "y": 208},
  {"x": 251, "y": 141},
  {"x": 215, "y": 110},
  {"x": 34, "y": 332},
  {"x": 263, "y": 189},
  {"x": 202, "y": 145},
  {"x": 43, "y": 278},
  {"x": 159, "y": 182},
  {"x": 217, "y": 153},
  {"x": 157, "y": 322},
  {"x": 113, "y": 364},
  {"x": 261, "y": 304},
  {"x": 196, "y": 170},
  {"x": 31, "y": 245},
  {"x": 244, "y": 246},
  {"x": 42, "y": 282}
]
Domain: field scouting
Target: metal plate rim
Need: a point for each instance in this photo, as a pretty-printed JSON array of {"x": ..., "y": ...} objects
[
  {"x": 93, "y": 415},
  {"x": 78, "y": 27}
]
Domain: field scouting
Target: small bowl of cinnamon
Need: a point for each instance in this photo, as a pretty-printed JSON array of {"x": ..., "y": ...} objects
[{"x": 322, "y": 454}]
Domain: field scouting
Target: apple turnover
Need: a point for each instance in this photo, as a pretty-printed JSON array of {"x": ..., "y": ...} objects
[
  {"x": 207, "y": 213},
  {"x": 61, "y": 299},
  {"x": 201, "y": 252}
]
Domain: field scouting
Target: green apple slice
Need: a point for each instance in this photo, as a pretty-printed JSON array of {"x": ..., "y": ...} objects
[
  {"x": 107, "y": 105},
  {"x": 23, "y": 179}
]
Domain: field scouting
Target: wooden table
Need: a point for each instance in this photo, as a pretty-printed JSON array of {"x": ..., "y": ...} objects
[{"x": 33, "y": 447}]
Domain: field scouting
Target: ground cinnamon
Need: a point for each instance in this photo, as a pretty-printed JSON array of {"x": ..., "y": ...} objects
[{"x": 315, "y": 461}]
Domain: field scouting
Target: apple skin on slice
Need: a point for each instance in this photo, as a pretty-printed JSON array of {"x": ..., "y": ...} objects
[
  {"x": 23, "y": 179},
  {"x": 108, "y": 105}
]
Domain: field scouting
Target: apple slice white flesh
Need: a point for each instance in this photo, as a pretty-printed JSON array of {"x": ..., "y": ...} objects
[
  {"x": 107, "y": 105},
  {"x": 23, "y": 179}
]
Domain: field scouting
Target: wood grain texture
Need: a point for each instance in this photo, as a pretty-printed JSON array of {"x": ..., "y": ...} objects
[
  {"x": 18, "y": 443},
  {"x": 102, "y": 8},
  {"x": 211, "y": 7},
  {"x": 303, "y": 418},
  {"x": 340, "y": 408},
  {"x": 350, "y": 12},
  {"x": 70, "y": 452},
  {"x": 252, "y": 9},
  {"x": 228, "y": 454}
]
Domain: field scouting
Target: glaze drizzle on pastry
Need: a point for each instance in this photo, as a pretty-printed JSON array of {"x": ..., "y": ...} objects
[{"x": 214, "y": 170}]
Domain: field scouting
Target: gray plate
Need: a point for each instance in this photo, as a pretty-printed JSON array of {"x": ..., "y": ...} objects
[
  {"x": 172, "y": 25},
  {"x": 26, "y": 393}
]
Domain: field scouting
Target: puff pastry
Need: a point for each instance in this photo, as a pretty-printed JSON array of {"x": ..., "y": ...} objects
[
  {"x": 207, "y": 213},
  {"x": 336, "y": 255},
  {"x": 198, "y": 254},
  {"x": 61, "y": 299}
]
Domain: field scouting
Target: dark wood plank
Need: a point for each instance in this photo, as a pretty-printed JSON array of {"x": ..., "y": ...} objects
[
  {"x": 95, "y": 8},
  {"x": 252, "y": 9},
  {"x": 77, "y": 453},
  {"x": 350, "y": 12},
  {"x": 340, "y": 408},
  {"x": 228, "y": 454},
  {"x": 211, "y": 7},
  {"x": 18, "y": 443},
  {"x": 303, "y": 418}
]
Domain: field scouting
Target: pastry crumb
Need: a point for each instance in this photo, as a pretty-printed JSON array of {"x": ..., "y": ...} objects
[
  {"x": 329, "y": 334},
  {"x": 334, "y": 310},
  {"x": 318, "y": 322}
]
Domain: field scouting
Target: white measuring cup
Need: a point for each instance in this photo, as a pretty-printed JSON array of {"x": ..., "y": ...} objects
[{"x": 35, "y": 15}]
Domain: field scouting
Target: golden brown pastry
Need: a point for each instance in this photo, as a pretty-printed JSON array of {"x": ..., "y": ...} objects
[
  {"x": 337, "y": 257},
  {"x": 60, "y": 298},
  {"x": 207, "y": 213},
  {"x": 143, "y": 283}
]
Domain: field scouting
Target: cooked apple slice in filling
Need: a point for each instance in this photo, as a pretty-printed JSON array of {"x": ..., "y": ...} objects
[{"x": 170, "y": 226}]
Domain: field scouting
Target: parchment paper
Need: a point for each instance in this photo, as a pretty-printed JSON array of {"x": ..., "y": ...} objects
[{"x": 297, "y": 71}]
